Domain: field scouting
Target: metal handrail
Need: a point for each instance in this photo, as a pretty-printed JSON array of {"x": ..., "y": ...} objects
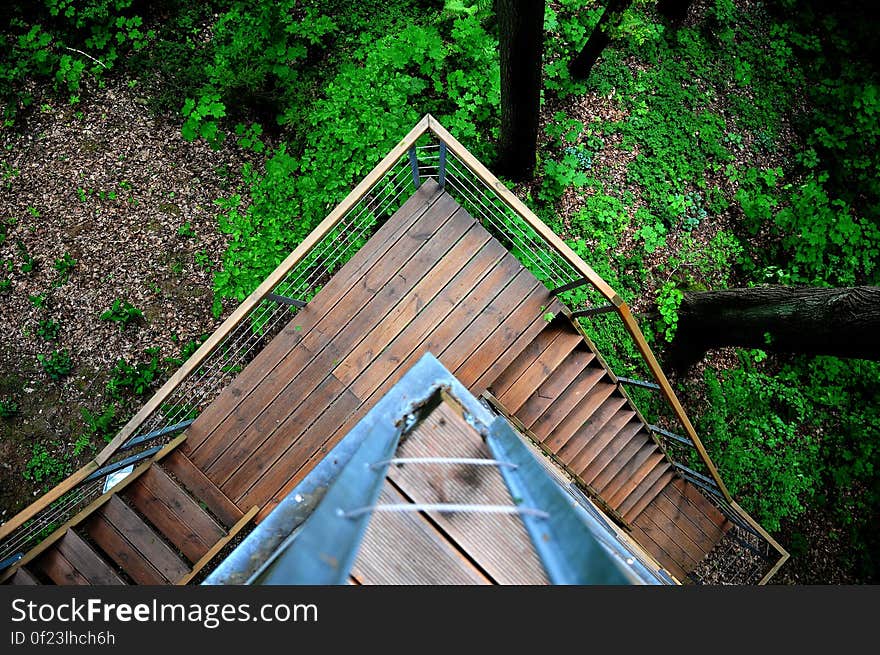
[{"x": 449, "y": 149}]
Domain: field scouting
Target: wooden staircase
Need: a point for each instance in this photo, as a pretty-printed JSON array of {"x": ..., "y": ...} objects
[
  {"x": 560, "y": 393},
  {"x": 161, "y": 525}
]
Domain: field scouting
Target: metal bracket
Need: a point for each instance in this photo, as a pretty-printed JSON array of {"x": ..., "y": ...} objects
[
  {"x": 677, "y": 437},
  {"x": 568, "y": 287},
  {"x": 131, "y": 443},
  {"x": 593, "y": 311},
  {"x": 414, "y": 166},
  {"x": 638, "y": 383},
  {"x": 284, "y": 300}
]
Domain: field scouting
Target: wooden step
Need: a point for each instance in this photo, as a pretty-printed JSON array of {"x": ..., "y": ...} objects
[
  {"x": 540, "y": 369},
  {"x": 58, "y": 569},
  {"x": 580, "y": 413},
  {"x": 611, "y": 450},
  {"x": 635, "y": 503},
  {"x": 135, "y": 547},
  {"x": 523, "y": 361},
  {"x": 199, "y": 486},
  {"x": 174, "y": 513},
  {"x": 583, "y": 384},
  {"x": 648, "y": 486},
  {"x": 632, "y": 474},
  {"x": 704, "y": 513},
  {"x": 581, "y": 447},
  {"x": 554, "y": 386},
  {"x": 23, "y": 577},
  {"x": 94, "y": 568}
]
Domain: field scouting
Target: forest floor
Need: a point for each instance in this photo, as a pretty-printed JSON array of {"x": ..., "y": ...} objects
[{"x": 117, "y": 190}]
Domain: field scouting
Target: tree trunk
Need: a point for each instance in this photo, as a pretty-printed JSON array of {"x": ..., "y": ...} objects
[
  {"x": 521, "y": 36},
  {"x": 812, "y": 320},
  {"x": 600, "y": 37},
  {"x": 673, "y": 10}
]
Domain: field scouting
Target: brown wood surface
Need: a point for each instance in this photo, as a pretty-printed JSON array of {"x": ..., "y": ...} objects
[
  {"x": 23, "y": 577},
  {"x": 554, "y": 386},
  {"x": 671, "y": 538},
  {"x": 58, "y": 569},
  {"x": 213, "y": 551},
  {"x": 526, "y": 358},
  {"x": 578, "y": 415},
  {"x": 655, "y": 550},
  {"x": 407, "y": 549},
  {"x": 580, "y": 446},
  {"x": 198, "y": 484},
  {"x": 637, "y": 501},
  {"x": 174, "y": 513},
  {"x": 632, "y": 474},
  {"x": 117, "y": 548},
  {"x": 615, "y": 444},
  {"x": 574, "y": 393},
  {"x": 143, "y": 539},
  {"x": 540, "y": 369},
  {"x": 94, "y": 568}
]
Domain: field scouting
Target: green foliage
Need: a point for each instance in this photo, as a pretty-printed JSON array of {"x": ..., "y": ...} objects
[
  {"x": 669, "y": 299},
  {"x": 56, "y": 364},
  {"x": 64, "y": 266},
  {"x": 45, "y": 467},
  {"x": 135, "y": 378},
  {"x": 8, "y": 408},
  {"x": 186, "y": 231},
  {"x": 48, "y": 329},
  {"x": 123, "y": 313},
  {"x": 100, "y": 426}
]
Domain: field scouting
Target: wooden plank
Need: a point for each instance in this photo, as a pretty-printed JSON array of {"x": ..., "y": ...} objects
[
  {"x": 143, "y": 539},
  {"x": 412, "y": 304},
  {"x": 632, "y": 474},
  {"x": 212, "y": 552},
  {"x": 87, "y": 562},
  {"x": 678, "y": 515},
  {"x": 698, "y": 500},
  {"x": 300, "y": 452},
  {"x": 518, "y": 367},
  {"x": 316, "y": 326},
  {"x": 656, "y": 551},
  {"x": 578, "y": 415},
  {"x": 579, "y": 442},
  {"x": 58, "y": 569},
  {"x": 89, "y": 509},
  {"x": 23, "y": 577},
  {"x": 300, "y": 252},
  {"x": 498, "y": 544},
  {"x": 519, "y": 207},
  {"x": 407, "y": 549},
  {"x": 114, "y": 544},
  {"x": 198, "y": 484},
  {"x": 710, "y": 526},
  {"x": 637, "y": 501},
  {"x": 554, "y": 386},
  {"x": 174, "y": 513},
  {"x": 494, "y": 319},
  {"x": 580, "y": 387},
  {"x": 607, "y": 443},
  {"x": 537, "y": 373},
  {"x": 621, "y": 449},
  {"x": 258, "y": 449},
  {"x": 278, "y": 348},
  {"x": 689, "y": 553},
  {"x": 448, "y": 313}
]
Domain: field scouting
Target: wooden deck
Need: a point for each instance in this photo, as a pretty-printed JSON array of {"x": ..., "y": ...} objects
[{"x": 430, "y": 280}]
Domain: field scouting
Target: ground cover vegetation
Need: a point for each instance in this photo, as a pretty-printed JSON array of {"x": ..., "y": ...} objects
[{"x": 735, "y": 149}]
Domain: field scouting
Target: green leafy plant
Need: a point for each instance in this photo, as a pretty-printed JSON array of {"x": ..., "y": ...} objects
[
  {"x": 48, "y": 329},
  {"x": 8, "y": 408},
  {"x": 135, "y": 378},
  {"x": 123, "y": 313},
  {"x": 56, "y": 364},
  {"x": 64, "y": 266},
  {"x": 669, "y": 299}
]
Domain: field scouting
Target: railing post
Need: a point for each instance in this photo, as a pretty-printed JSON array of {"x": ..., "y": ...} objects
[
  {"x": 414, "y": 166},
  {"x": 441, "y": 175}
]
